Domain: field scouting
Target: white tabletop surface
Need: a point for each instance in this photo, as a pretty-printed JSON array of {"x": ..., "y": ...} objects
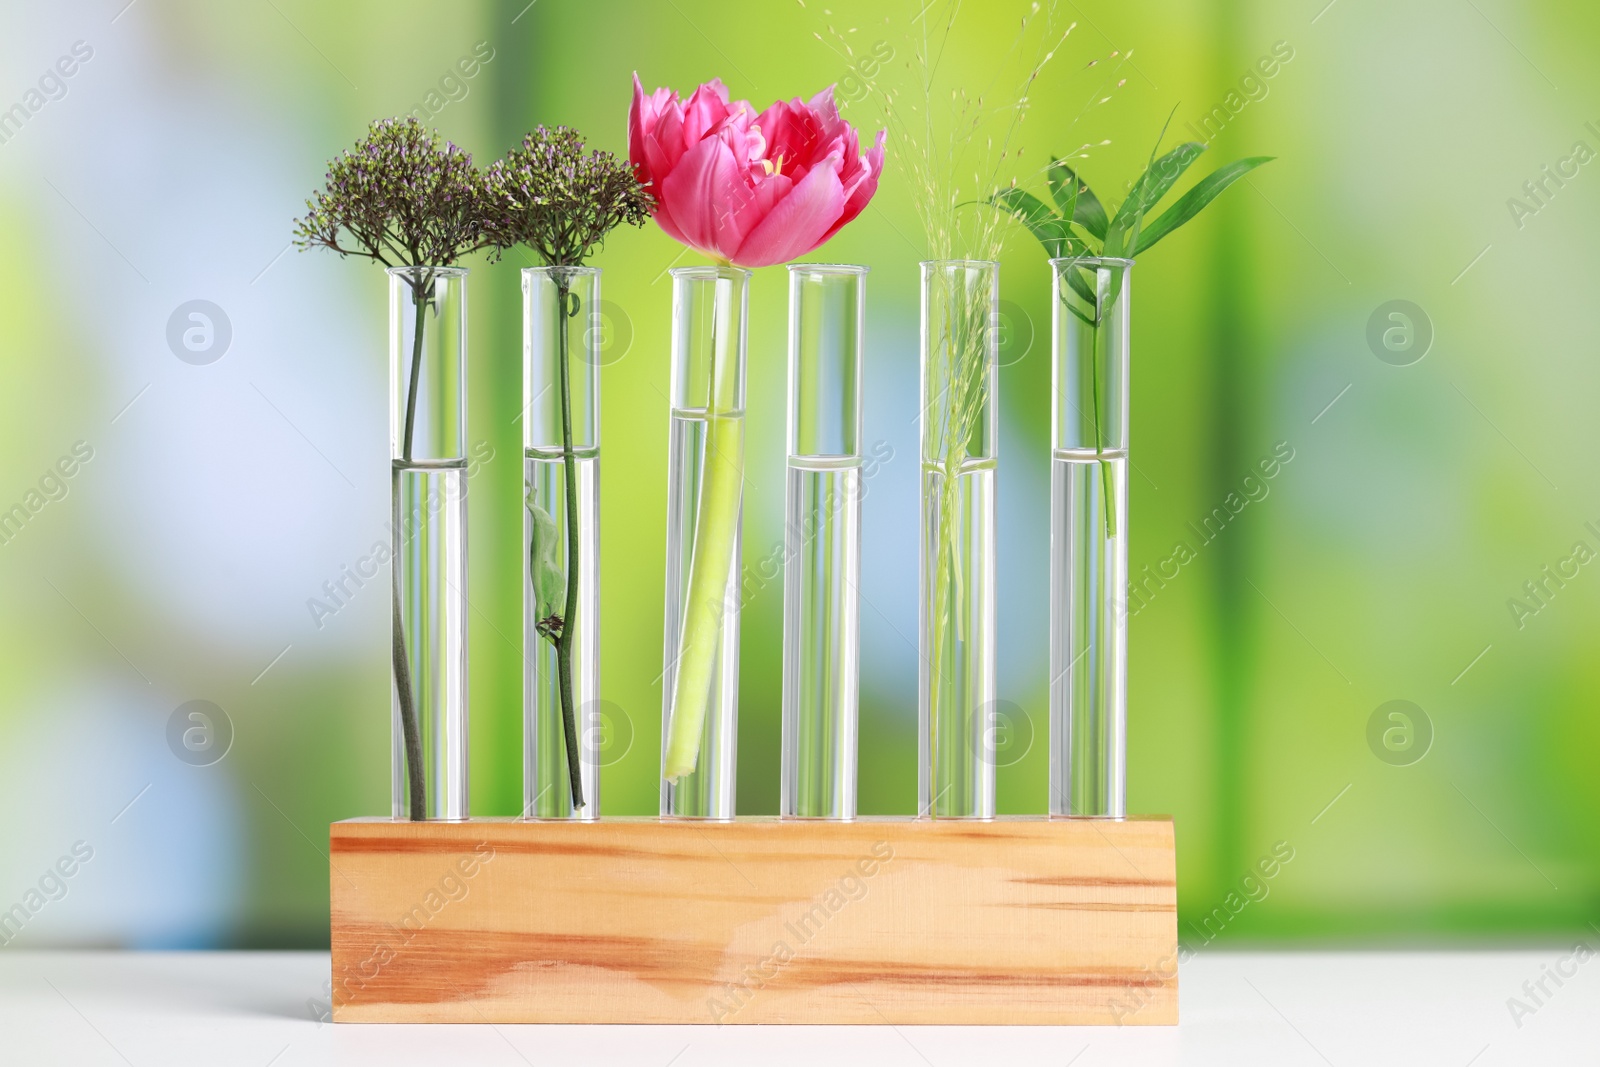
[{"x": 1355, "y": 1008}]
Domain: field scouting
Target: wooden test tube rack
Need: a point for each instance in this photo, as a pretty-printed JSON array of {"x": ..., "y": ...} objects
[{"x": 1022, "y": 920}]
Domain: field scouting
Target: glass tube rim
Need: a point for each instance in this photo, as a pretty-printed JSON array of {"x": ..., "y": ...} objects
[
  {"x": 548, "y": 270},
  {"x": 438, "y": 272},
  {"x": 1091, "y": 261},
  {"x": 855, "y": 270},
  {"x": 930, "y": 264},
  {"x": 710, "y": 270}
]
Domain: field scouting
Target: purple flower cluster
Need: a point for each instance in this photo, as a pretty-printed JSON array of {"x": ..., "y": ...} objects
[
  {"x": 559, "y": 200},
  {"x": 403, "y": 196}
]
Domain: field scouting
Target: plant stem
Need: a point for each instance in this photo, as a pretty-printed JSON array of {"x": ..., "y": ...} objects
[
  {"x": 416, "y": 786},
  {"x": 1094, "y": 386},
  {"x": 710, "y": 562},
  {"x": 569, "y": 624},
  {"x": 709, "y": 569},
  {"x": 1094, "y": 393}
]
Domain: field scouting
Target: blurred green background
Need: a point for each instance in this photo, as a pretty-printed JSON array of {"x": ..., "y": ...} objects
[{"x": 1379, "y": 564}]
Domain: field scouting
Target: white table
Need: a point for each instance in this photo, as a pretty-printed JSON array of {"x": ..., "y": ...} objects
[{"x": 1356, "y": 1009}]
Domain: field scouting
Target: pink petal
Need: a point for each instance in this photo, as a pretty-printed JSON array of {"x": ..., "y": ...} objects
[
  {"x": 669, "y": 225},
  {"x": 705, "y": 111},
  {"x": 797, "y": 223},
  {"x": 700, "y": 193},
  {"x": 650, "y": 119},
  {"x": 865, "y": 185}
]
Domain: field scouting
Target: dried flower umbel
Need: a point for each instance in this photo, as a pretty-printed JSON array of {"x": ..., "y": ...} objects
[
  {"x": 407, "y": 198},
  {"x": 403, "y": 196},
  {"x": 561, "y": 201}
]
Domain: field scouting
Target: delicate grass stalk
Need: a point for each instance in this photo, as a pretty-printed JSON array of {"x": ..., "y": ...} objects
[{"x": 942, "y": 140}]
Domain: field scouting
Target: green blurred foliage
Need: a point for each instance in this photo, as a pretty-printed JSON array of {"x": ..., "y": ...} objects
[{"x": 1377, "y": 564}]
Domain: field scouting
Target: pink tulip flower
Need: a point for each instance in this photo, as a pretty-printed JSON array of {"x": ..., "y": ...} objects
[{"x": 748, "y": 189}]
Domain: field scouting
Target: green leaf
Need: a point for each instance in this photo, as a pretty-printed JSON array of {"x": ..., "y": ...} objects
[
  {"x": 544, "y": 562},
  {"x": 1088, "y": 213},
  {"x": 1063, "y": 188},
  {"x": 1082, "y": 286},
  {"x": 1154, "y": 184},
  {"x": 1049, "y": 228},
  {"x": 1194, "y": 201},
  {"x": 1076, "y": 200},
  {"x": 1151, "y": 186}
]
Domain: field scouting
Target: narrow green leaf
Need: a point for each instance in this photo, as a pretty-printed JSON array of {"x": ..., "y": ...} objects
[
  {"x": 1063, "y": 189},
  {"x": 1194, "y": 201},
  {"x": 1081, "y": 316},
  {"x": 1086, "y": 209},
  {"x": 1049, "y": 228},
  {"x": 1089, "y": 213},
  {"x": 1159, "y": 178},
  {"x": 1151, "y": 186},
  {"x": 1082, "y": 286}
]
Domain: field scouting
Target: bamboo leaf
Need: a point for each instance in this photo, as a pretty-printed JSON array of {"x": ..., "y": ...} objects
[
  {"x": 1159, "y": 174},
  {"x": 1044, "y": 224},
  {"x": 1089, "y": 213},
  {"x": 1194, "y": 201},
  {"x": 1063, "y": 188},
  {"x": 1159, "y": 178},
  {"x": 1082, "y": 286},
  {"x": 1066, "y": 187}
]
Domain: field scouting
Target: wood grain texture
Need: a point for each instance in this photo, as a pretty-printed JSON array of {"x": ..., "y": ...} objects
[{"x": 1016, "y": 921}]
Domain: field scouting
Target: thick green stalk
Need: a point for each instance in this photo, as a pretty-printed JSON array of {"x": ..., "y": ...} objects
[
  {"x": 715, "y": 529},
  {"x": 569, "y": 625}
]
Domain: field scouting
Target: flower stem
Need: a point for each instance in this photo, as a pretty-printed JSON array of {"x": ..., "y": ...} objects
[
  {"x": 412, "y": 736},
  {"x": 710, "y": 564},
  {"x": 569, "y": 617},
  {"x": 714, "y": 530}
]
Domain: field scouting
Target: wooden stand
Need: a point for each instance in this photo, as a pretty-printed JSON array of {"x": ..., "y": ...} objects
[{"x": 1018, "y": 921}]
